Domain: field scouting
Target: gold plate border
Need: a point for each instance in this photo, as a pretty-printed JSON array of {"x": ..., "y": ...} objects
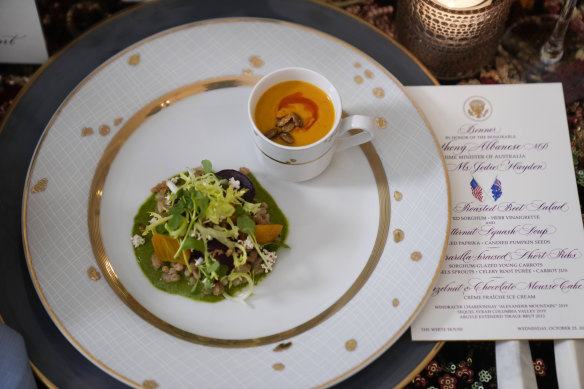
[
  {"x": 94, "y": 209},
  {"x": 37, "y": 74}
]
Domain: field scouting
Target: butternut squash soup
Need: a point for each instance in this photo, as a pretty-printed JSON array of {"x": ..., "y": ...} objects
[{"x": 294, "y": 113}]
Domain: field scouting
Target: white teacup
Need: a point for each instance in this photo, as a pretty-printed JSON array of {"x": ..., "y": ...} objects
[{"x": 301, "y": 163}]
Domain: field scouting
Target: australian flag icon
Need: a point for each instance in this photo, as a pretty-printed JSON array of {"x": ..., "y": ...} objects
[{"x": 496, "y": 189}]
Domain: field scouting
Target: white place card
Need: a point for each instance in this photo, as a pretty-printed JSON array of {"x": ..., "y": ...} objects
[
  {"x": 514, "y": 265},
  {"x": 21, "y": 35}
]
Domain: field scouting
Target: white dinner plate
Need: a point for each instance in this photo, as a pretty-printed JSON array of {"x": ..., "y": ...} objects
[{"x": 367, "y": 237}]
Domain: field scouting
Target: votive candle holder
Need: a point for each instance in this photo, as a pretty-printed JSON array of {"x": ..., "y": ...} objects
[{"x": 452, "y": 43}]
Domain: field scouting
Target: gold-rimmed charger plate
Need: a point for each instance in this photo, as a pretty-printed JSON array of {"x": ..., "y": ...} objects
[{"x": 106, "y": 331}]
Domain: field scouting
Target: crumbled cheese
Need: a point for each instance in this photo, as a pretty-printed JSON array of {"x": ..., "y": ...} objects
[
  {"x": 137, "y": 240},
  {"x": 270, "y": 258},
  {"x": 266, "y": 267},
  {"x": 234, "y": 183},
  {"x": 199, "y": 261},
  {"x": 152, "y": 220},
  {"x": 247, "y": 244},
  {"x": 270, "y": 255}
]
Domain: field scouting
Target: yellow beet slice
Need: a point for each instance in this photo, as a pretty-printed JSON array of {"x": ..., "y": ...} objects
[
  {"x": 265, "y": 233},
  {"x": 165, "y": 246}
]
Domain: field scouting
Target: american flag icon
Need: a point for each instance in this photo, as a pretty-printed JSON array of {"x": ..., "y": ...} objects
[{"x": 476, "y": 189}]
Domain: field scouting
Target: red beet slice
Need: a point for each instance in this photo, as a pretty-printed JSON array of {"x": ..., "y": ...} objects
[{"x": 244, "y": 182}]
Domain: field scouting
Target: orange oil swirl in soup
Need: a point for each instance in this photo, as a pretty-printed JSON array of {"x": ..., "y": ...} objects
[{"x": 311, "y": 103}]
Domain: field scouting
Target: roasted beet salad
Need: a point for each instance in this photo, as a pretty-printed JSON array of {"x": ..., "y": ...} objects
[{"x": 208, "y": 235}]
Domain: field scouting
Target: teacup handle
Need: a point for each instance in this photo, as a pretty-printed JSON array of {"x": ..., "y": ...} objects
[{"x": 345, "y": 139}]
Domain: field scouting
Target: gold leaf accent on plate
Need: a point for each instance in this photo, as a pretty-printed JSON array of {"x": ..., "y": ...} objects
[
  {"x": 256, "y": 61},
  {"x": 357, "y": 64},
  {"x": 368, "y": 74},
  {"x": 351, "y": 344},
  {"x": 246, "y": 72},
  {"x": 150, "y": 384},
  {"x": 398, "y": 196},
  {"x": 358, "y": 79},
  {"x": 93, "y": 273},
  {"x": 416, "y": 256},
  {"x": 118, "y": 121},
  {"x": 104, "y": 130},
  {"x": 381, "y": 122},
  {"x": 40, "y": 186},
  {"x": 283, "y": 346},
  {"x": 378, "y": 92},
  {"x": 395, "y": 302},
  {"x": 86, "y": 131},
  {"x": 398, "y": 235},
  {"x": 134, "y": 59},
  {"x": 278, "y": 366}
]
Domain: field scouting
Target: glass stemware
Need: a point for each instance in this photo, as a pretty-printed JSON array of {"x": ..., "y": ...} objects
[
  {"x": 543, "y": 50},
  {"x": 552, "y": 50}
]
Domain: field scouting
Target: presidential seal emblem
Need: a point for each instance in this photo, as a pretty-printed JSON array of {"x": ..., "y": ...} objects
[{"x": 477, "y": 108}]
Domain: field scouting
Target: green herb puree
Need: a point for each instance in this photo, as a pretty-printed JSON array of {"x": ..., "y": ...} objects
[{"x": 181, "y": 287}]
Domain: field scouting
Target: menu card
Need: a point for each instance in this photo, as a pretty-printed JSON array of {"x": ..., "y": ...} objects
[
  {"x": 21, "y": 35},
  {"x": 514, "y": 266}
]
